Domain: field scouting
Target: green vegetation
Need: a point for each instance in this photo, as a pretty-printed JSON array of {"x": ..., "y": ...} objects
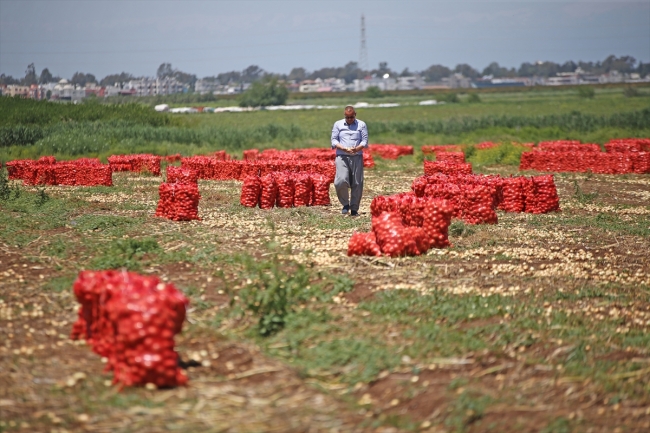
[
  {"x": 264, "y": 93},
  {"x": 586, "y": 92},
  {"x": 94, "y": 129},
  {"x": 373, "y": 92}
]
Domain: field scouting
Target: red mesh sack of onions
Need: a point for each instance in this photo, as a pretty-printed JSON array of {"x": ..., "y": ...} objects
[
  {"x": 541, "y": 194},
  {"x": 436, "y": 217},
  {"x": 368, "y": 160},
  {"x": 321, "y": 190},
  {"x": 445, "y": 167},
  {"x": 457, "y": 157},
  {"x": 131, "y": 320},
  {"x": 250, "y": 191},
  {"x": 285, "y": 184},
  {"x": 269, "y": 191},
  {"x": 513, "y": 199},
  {"x": 302, "y": 191},
  {"x": 251, "y": 154},
  {"x": 476, "y": 204},
  {"x": 178, "y": 201},
  {"x": 391, "y": 235},
  {"x": 363, "y": 244},
  {"x": 47, "y": 160},
  {"x": 93, "y": 175},
  {"x": 181, "y": 175}
]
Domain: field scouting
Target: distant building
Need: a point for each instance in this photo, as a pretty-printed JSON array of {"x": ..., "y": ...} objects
[
  {"x": 17, "y": 90},
  {"x": 488, "y": 81},
  {"x": 64, "y": 91},
  {"x": 457, "y": 81},
  {"x": 154, "y": 86},
  {"x": 207, "y": 86},
  {"x": 388, "y": 83}
]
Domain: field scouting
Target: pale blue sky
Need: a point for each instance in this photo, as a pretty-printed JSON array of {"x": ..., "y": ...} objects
[{"x": 208, "y": 37}]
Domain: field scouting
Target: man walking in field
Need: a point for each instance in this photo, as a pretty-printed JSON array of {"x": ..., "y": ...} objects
[{"x": 349, "y": 138}]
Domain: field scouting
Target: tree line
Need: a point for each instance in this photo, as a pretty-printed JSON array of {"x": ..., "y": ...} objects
[{"x": 348, "y": 72}]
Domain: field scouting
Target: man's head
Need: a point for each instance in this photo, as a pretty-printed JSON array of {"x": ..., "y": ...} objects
[{"x": 350, "y": 114}]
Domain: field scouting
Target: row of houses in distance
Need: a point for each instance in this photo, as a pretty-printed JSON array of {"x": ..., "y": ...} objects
[{"x": 65, "y": 91}]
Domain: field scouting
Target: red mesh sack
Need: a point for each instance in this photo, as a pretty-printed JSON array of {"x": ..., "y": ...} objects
[
  {"x": 445, "y": 167},
  {"x": 363, "y": 244},
  {"x": 541, "y": 194},
  {"x": 181, "y": 175},
  {"x": 285, "y": 184},
  {"x": 321, "y": 190},
  {"x": 476, "y": 204},
  {"x": 391, "y": 235},
  {"x": 178, "y": 201},
  {"x": 269, "y": 192},
  {"x": 368, "y": 160},
  {"x": 131, "y": 320},
  {"x": 250, "y": 191},
  {"x": 435, "y": 222},
  {"x": 302, "y": 191},
  {"x": 456, "y": 157},
  {"x": 513, "y": 199},
  {"x": 251, "y": 154}
]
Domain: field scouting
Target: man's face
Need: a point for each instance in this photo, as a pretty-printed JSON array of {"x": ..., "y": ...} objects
[{"x": 350, "y": 116}]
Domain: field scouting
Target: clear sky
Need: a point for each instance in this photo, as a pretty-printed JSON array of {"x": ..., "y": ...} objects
[{"x": 207, "y": 37}]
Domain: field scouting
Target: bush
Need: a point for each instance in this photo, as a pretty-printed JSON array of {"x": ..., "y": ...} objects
[
  {"x": 263, "y": 93},
  {"x": 373, "y": 92},
  {"x": 586, "y": 92},
  {"x": 473, "y": 98},
  {"x": 451, "y": 98},
  {"x": 631, "y": 92}
]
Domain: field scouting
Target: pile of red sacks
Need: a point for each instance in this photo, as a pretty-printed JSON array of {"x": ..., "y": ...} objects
[
  {"x": 285, "y": 189},
  {"x": 141, "y": 163},
  {"x": 475, "y": 197},
  {"x": 213, "y": 169},
  {"x": 446, "y": 167},
  {"x": 622, "y": 156},
  {"x": 486, "y": 145},
  {"x": 390, "y": 151},
  {"x": 456, "y": 157},
  {"x": 131, "y": 320},
  {"x": 434, "y": 150},
  {"x": 47, "y": 171},
  {"x": 179, "y": 197},
  {"x": 181, "y": 175},
  {"x": 311, "y": 154},
  {"x": 411, "y": 227}
]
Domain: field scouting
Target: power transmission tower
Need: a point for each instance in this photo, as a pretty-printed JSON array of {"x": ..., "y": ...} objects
[{"x": 363, "y": 52}]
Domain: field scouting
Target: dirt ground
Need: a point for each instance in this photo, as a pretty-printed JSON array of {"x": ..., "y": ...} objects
[{"x": 50, "y": 383}]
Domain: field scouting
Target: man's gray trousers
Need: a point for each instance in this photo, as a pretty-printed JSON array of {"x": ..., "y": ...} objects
[{"x": 349, "y": 175}]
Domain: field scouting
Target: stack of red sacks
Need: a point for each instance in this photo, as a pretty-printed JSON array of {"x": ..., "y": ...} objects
[
  {"x": 486, "y": 145},
  {"x": 455, "y": 157},
  {"x": 434, "y": 150},
  {"x": 622, "y": 156},
  {"x": 131, "y": 320},
  {"x": 450, "y": 168},
  {"x": 390, "y": 151},
  {"x": 179, "y": 197},
  {"x": 214, "y": 169},
  {"x": 285, "y": 189},
  {"x": 141, "y": 163},
  {"x": 172, "y": 158},
  {"x": 47, "y": 171},
  {"x": 181, "y": 175},
  {"x": 475, "y": 197},
  {"x": 418, "y": 225}
]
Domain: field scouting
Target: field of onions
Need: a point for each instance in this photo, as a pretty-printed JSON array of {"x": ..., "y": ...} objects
[
  {"x": 510, "y": 318},
  {"x": 491, "y": 285}
]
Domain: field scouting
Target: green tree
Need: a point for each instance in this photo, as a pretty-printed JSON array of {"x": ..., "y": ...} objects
[
  {"x": 466, "y": 70},
  {"x": 164, "y": 70},
  {"x": 297, "y": 74},
  {"x": 264, "y": 92},
  {"x": 473, "y": 98},
  {"x": 586, "y": 92},
  {"x": 436, "y": 73},
  {"x": 373, "y": 92},
  {"x": 81, "y": 79},
  {"x": 30, "y": 75},
  {"x": 45, "y": 77}
]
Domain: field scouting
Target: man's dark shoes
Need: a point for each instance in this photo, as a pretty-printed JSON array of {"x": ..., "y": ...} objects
[
  {"x": 345, "y": 210},
  {"x": 354, "y": 213}
]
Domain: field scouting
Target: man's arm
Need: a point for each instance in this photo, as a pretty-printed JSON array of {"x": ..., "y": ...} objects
[
  {"x": 335, "y": 136},
  {"x": 364, "y": 136}
]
